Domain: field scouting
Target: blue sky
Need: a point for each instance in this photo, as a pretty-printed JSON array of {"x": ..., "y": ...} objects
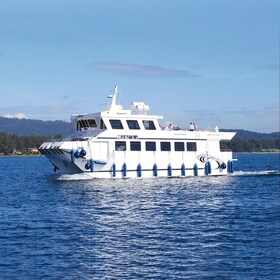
[{"x": 210, "y": 62}]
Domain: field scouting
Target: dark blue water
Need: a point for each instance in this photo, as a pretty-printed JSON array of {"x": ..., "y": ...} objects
[{"x": 70, "y": 227}]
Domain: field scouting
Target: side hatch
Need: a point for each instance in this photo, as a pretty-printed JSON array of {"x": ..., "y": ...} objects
[{"x": 99, "y": 151}]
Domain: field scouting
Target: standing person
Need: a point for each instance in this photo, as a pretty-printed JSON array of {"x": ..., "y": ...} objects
[{"x": 191, "y": 128}]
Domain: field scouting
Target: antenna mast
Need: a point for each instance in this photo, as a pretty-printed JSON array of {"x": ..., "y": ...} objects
[{"x": 114, "y": 97}]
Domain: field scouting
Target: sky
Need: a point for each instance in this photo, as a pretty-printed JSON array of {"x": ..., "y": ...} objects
[{"x": 209, "y": 62}]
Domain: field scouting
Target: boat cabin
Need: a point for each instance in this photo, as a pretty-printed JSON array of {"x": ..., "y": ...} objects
[{"x": 117, "y": 118}]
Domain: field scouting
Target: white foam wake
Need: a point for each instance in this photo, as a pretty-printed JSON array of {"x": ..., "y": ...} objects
[
  {"x": 256, "y": 173},
  {"x": 75, "y": 177},
  {"x": 89, "y": 176}
]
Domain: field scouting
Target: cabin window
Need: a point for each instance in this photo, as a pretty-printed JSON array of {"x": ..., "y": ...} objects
[
  {"x": 150, "y": 146},
  {"x": 149, "y": 125},
  {"x": 84, "y": 123},
  {"x": 191, "y": 146},
  {"x": 92, "y": 123},
  {"x": 116, "y": 124},
  {"x": 135, "y": 146},
  {"x": 165, "y": 146},
  {"x": 120, "y": 146},
  {"x": 179, "y": 146},
  {"x": 133, "y": 124}
]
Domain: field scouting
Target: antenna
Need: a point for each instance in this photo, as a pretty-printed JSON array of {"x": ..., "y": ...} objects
[
  {"x": 115, "y": 95},
  {"x": 114, "y": 105}
]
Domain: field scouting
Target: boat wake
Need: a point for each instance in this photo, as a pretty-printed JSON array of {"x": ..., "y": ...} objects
[
  {"x": 75, "y": 177},
  {"x": 89, "y": 176},
  {"x": 257, "y": 173}
]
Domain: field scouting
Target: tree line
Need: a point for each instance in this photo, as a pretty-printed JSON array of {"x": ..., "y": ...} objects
[
  {"x": 251, "y": 145},
  {"x": 9, "y": 143}
]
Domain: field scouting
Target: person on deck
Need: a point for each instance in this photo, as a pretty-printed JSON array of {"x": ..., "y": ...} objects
[
  {"x": 169, "y": 127},
  {"x": 191, "y": 128}
]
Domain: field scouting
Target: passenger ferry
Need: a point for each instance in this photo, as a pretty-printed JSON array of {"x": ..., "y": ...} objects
[{"x": 119, "y": 143}]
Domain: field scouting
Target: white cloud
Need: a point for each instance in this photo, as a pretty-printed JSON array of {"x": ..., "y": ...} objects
[
  {"x": 45, "y": 112},
  {"x": 15, "y": 116},
  {"x": 139, "y": 70}
]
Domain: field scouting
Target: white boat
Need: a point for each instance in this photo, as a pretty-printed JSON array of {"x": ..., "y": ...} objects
[{"x": 118, "y": 143}]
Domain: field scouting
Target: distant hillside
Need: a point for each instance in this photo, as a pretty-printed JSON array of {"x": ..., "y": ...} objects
[
  {"x": 248, "y": 141},
  {"x": 250, "y": 135},
  {"x": 25, "y": 127}
]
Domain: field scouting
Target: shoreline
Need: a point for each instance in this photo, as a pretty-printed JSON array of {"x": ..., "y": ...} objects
[
  {"x": 24, "y": 155},
  {"x": 263, "y": 152}
]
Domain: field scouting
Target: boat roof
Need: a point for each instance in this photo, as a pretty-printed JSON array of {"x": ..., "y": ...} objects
[{"x": 114, "y": 110}]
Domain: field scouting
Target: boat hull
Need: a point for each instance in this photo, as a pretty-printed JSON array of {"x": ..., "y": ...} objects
[{"x": 133, "y": 164}]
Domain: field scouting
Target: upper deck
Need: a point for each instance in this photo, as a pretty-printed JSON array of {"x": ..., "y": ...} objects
[{"x": 115, "y": 122}]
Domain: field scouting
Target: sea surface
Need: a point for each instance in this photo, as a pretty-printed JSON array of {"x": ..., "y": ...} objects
[{"x": 56, "y": 226}]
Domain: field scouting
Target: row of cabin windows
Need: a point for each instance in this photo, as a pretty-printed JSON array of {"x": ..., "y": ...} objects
[
  {"x": 151, "y": 146},
  {"x": 132, "y": 124},
  {"x": 115, "y": 124}
]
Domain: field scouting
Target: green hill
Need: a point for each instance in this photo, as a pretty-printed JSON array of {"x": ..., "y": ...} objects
[
  {"x": 249, "y": 141},
  {"x": 246, "y": 134},
  {"x": 25, "y": 127}
]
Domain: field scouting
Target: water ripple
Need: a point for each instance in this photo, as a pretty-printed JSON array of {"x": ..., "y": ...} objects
[{"x": 55, "y": 227}]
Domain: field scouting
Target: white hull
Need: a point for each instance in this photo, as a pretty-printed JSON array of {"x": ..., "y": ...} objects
[{"x": 109, "y": 163}]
